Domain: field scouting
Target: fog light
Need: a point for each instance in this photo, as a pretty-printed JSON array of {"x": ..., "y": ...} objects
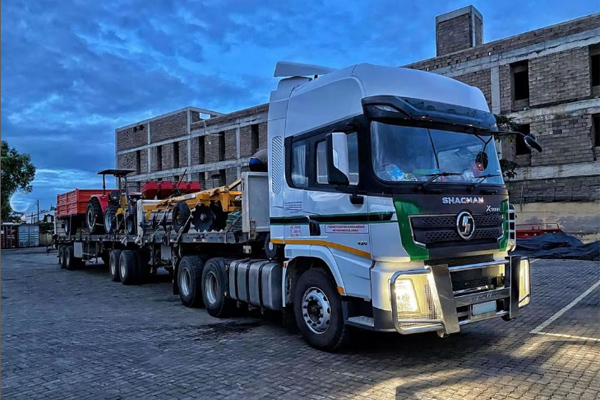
[
  {"x": 524, "y": 283},
  {"x": 406, "y": 299}
]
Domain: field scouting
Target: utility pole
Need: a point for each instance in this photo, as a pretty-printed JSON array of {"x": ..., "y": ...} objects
[{"x": 38, "y": 211}]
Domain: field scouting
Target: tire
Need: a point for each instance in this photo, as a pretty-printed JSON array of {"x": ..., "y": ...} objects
[
  {"x": 181, "y": 217},
  {"x": 67, "y": 226},
  {"x": 215, "y": 288},
  {"x": 71, "y": 262},
  {"x": 61, "y": 256},
  {"x": 113, "y": 263},
  {"x": 189, "y": 280},
  {"x": 93, "y": 216},
  {"x": 127, "y": 268},
  {"x": 130, "y": 225},
  {"x": 110, "y": 219},
  {"x": 314, "y": 295}
]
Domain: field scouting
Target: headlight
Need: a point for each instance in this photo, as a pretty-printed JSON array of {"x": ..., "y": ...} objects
[
  {"x": 524, "y": 283},
  {"x": 406, "y": 300}
]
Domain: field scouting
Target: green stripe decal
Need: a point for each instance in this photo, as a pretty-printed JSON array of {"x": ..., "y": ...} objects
[
  {"x": 504, "y": 211},
  {"x": 404, "y": 209}
]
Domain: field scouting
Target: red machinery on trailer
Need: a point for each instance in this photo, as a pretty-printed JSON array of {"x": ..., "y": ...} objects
[{"x": 98, "y": 209}]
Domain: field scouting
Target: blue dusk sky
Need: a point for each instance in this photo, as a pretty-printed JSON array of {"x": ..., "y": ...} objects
[{"x": 73, "y": 71}]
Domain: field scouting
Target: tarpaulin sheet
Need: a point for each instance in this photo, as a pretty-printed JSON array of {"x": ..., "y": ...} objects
[{"x": 557, "y": 245}]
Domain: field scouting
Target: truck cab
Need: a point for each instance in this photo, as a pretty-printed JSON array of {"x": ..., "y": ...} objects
[{"x": 386, "y": 182}]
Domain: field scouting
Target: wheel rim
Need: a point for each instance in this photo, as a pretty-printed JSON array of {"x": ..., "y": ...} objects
[
  {"x": 212, "y": 287},
  {"x": 108, "y": 222},
  {"x": 113, "y": 268},
  {"x": 185, "y": 281},
  {"x": 123, "y": 269},
  {"x": 316, "y": 310},
  {"x": 90, "y": 218}
]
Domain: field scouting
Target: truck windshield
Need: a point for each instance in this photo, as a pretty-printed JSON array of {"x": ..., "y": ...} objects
[{"x": 405, "y": 154}]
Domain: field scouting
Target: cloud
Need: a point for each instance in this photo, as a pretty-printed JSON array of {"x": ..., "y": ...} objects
[{"x": 73, "y": 71}]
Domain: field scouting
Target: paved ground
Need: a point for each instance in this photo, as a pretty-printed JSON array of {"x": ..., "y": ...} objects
[{"x": 78, "y": 335}]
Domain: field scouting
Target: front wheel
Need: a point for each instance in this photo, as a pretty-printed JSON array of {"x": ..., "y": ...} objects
[{"x": 318, "y": 310}]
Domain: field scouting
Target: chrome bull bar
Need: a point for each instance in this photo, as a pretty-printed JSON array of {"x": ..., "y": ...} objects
[{"x": 433, "y": 305}]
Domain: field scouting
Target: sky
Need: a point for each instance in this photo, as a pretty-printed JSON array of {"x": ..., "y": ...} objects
[{"x": 73, "y": 71}]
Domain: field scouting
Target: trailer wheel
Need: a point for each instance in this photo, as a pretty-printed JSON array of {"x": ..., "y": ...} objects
[
  {"x": 215, "y": 288},
  {"x": 181, "y": 216},
  {"x": 189, "y": 280},
  {"x": 61, "y": 256},
  {"x": 318, "y": 310},
  {"x": 127, "y": 267},
  {"x": 71, "y": 262},
  {"x": 93, "y": 215},
  {"x": 110, "y": 219},
  {"x": 114, "y": 265}
]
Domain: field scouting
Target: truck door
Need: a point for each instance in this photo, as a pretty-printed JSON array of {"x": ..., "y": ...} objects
[{"x": 333, "y": 220}]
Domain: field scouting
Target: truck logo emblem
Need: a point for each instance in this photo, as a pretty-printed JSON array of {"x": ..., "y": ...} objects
[
  {"x": 463, "y": 200},
  {"x": 465, "y": 225}
]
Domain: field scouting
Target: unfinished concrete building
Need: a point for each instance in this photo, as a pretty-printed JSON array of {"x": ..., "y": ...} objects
[{"x": 547, "y": 81}]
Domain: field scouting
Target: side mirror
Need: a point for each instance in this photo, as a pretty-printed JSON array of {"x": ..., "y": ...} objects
[
  {"x": 338, "y": 170},
  {"x": 531, "y": 143}
]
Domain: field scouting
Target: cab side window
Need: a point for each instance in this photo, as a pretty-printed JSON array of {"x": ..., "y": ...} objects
[
  {"x": 321, "y": 159},
  {"x": 299, "y": 175}
]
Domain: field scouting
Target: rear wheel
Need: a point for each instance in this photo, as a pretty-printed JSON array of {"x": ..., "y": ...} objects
[
  {"x": 189, "y": 280},
  {"x": 127, "y": 267},
  {"x": 215, "y": 288},
  {"x": 93, "y": 216},
  {"x": 114, "y": 265},
  {"x": 71, "y": 262},
  {"x": 318, "y": 310}
]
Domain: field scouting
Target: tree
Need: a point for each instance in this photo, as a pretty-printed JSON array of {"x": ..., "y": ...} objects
[{"x": 17, "y": 174}]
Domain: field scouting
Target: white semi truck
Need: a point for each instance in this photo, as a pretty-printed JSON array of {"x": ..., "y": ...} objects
[{"x": 383, "y": 208}]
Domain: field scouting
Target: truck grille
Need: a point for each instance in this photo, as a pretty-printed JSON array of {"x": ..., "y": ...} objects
[{"x": 441, "y": 229}]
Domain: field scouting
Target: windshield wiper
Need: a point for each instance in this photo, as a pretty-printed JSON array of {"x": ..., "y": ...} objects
[
  {"x": 481, "y": 179},
  {"x": 434, "y": 177}
]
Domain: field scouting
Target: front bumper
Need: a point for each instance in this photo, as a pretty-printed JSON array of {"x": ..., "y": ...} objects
[{"x": 426, "y": 300}]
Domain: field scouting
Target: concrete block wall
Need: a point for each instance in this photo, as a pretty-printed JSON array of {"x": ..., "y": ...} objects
[
  {"x": 559, "y": 77},
  {"x": 486, "y": 50},
  {"x": 212, "y": 148},
  {"x": 132, "y": 136},
  {"x": 169, "y": 127},
  {"x": 565, "y": 141},
  {"x": 582, "y": 188},
  {"x": 230, "y": 145},
  {"x": 505, "y": 78},
  {"x": 126, "y": 161},
  {"x": 183, "y": 153}
]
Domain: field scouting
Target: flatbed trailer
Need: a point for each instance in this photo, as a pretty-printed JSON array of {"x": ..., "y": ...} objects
[{"x": 383, "y": 208}]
